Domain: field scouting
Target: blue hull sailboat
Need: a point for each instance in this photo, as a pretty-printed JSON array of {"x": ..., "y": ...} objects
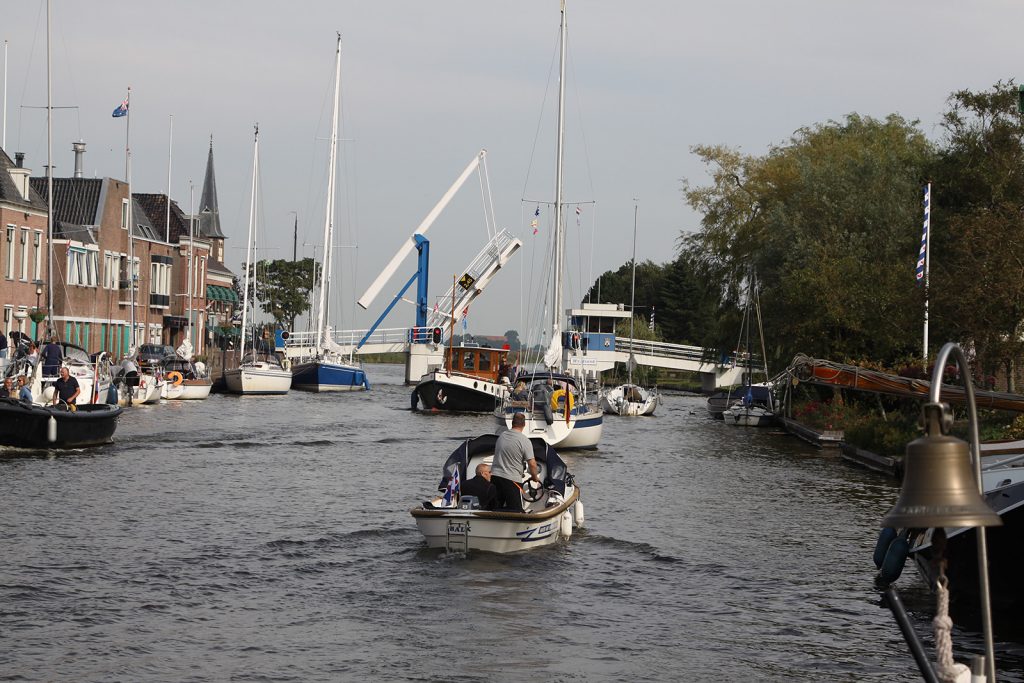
[
  {"x": 325, "y": 369},
  {"x": 322, "y": 376}
]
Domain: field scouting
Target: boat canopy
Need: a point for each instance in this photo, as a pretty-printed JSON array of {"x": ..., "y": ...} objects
[{"x": 557, "y": 472}]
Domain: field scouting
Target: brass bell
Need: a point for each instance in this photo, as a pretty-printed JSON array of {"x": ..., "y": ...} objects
[{"x": 939, "y": 488}]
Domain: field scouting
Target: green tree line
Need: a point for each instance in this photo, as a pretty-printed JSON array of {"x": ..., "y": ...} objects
[{"x": 831, "y": 220}]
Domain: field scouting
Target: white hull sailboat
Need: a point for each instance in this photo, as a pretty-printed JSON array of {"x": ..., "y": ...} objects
[
  {"x": 746, "y": 411},
  {"x": 574, "y": 423},
  {"x": 630, "y": 400},
  {"x": 258, "y": 377},
  {"x": 256, "y": 373},
  {"x": 459, "y": 524}
]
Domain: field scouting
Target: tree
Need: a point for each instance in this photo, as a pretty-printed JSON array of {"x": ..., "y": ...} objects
[
  {"x": 513, "y": 340},
  {"x": 828, "y": 223},
  {"x": 283, "y": 288},
  {"x": 977, "y": 273}
]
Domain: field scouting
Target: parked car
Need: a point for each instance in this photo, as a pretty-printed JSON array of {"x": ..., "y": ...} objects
[{"x": 154, "y": 355}]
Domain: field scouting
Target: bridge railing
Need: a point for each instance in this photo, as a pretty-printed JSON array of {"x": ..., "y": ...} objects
[
  {"x": 647, "y": 347},
  {"x": 348, "y": 339}
]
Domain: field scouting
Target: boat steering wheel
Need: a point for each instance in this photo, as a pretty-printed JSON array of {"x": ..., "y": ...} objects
[{"x": 530, "y": 493}]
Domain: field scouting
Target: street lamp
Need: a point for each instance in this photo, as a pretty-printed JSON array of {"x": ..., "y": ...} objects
[{"x": 940, "y": 490}]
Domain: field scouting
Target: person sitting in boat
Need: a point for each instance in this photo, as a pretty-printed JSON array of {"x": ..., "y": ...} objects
[
  {"x": 66, "y": 389},
  {"x": 519, "y": 393},
  {"x": 481, "y": 487},
  {"x": 513, "y": 454},
  {"x": 24, "y": 393},
  {"x": 7, "y": 390}
]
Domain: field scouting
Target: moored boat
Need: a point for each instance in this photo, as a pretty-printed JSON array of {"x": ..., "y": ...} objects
[
  {"x": 629, "y": 400},
  {"x": 458, "y": 524},
  {"x": 185, "y": 380},
  {"x": 26, "y": 425}
]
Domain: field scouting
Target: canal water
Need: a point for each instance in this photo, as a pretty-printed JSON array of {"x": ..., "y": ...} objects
[{"x": 269, "y": 538}]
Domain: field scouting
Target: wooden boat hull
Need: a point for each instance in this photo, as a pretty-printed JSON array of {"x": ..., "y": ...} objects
[{"x": 25, "y": 425}]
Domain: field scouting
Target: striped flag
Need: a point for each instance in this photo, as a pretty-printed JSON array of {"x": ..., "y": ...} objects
[
  {"x": 922, "y": 255},
  {"x": 451, "y": 492}
]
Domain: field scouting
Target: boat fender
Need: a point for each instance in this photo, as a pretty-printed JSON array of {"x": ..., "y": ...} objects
[
  {"x": 414, "y": 399},
  {"x": 112, "y": 395},
  {"x": 566, "y": 524},
  {"x": 175, "y": 377},
  {"x": 558, "y": 396},
  {"x": 895, "y": 559},
  {"x": 286, "y": 364},
  {"x": 51, "y": 429},
  {"x": 885, "y": 537},
  {"x": 578, "y": 513},
  {"x": 549, "y": 415}
]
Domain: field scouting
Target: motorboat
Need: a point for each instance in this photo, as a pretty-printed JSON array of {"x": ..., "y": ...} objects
[
  {"x": 93, "y": 376},
  {"x": 458, "y": 524},
  {"x": 137, "y": 385},
  {"x": 26, "y": 425},
  {"x": 185, "y": 380},
  {"x": 630, "y": 400},
  {"x": 471, "y": 381},
  {"x": 555, "y": 410}
]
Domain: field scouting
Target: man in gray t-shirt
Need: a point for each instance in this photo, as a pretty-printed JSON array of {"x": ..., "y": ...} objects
[{"x": 513, "y": 454}]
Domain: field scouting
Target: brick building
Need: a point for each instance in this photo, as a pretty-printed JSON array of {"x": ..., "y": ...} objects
[{"x": 23, "y": 248}]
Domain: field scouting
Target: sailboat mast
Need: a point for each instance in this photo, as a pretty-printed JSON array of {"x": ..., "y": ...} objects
[
  {"x": 559, "y": 236},
  {"x": 632, "y": 299},
  {"x": 49, "y": 178},
  {"x": 248, "y": 244},
  {"x": 325, "y": 271},
  {"x": 131, "y": 231},
  {"x": 191, "y": 238}
]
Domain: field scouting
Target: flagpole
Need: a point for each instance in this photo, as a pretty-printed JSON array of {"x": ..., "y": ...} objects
[
  {"x": 131, "y": 232},
  {"x": 927, "y": 261}
]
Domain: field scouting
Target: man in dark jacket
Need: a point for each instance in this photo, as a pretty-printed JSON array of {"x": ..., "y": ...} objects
[
  {"x": 52, "y": 357},
  {"x": 481, "y": 487}
]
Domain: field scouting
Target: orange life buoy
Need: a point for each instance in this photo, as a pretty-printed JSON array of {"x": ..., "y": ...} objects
[{"x": 175, "y": 377}]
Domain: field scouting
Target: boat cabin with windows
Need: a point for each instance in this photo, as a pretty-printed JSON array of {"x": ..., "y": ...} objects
[{"x": 476, "y": 361}]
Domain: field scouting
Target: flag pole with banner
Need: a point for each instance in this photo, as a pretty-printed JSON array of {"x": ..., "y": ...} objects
[
  {"x": 124, "y": 109},
  {"x": 924, "y": 260}
]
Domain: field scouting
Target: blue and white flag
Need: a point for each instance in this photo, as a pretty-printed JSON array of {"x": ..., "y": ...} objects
[
  {"x": 451, "y": 494},
  {"x": 922, "y": 255},
  {"x": 122, "y": 109}
]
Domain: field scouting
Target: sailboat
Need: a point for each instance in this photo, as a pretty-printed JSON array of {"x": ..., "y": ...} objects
[
  {"x": 327, "y": 369},
  {"x": 630, "y": 399},
  {"x": 187, "y": 381},
  {"x": 555, "y": 405},
  {"x": 259, "y": 371},
  {"x": 748, "y": 410}
]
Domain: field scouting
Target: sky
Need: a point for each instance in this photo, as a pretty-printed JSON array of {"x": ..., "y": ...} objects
[{"x": 426, "y": 85}]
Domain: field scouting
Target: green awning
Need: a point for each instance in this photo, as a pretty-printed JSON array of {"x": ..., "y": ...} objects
[{"x": 217, "y": 293}]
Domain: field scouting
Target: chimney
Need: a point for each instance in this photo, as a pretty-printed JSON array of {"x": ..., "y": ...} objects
[
  {"x": 19, "y": 159},
  {"x": 79, "y": 148}
]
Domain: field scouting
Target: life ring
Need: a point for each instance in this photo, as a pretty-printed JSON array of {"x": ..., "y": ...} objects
[
  {"x": 557, "y": 396},
  {"x": 175, "y": 377}
]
